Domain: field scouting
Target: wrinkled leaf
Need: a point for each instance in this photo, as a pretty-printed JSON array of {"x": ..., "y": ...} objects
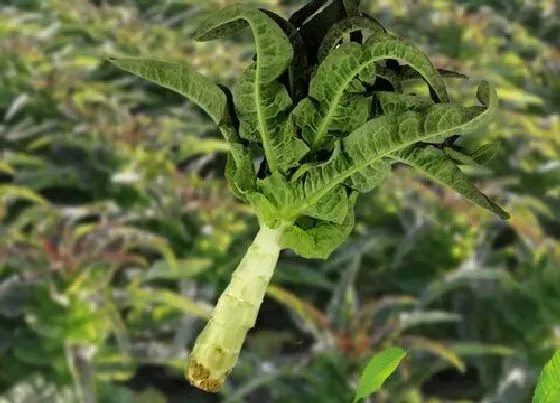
[
  {"x": 548, "y": 386},
  {"x": 179, "y": 77}
]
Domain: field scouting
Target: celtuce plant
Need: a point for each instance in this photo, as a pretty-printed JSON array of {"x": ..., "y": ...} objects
[{"x": 318, "y": 117}]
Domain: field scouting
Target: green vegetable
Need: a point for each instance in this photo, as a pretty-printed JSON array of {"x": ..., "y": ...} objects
[
  {"x": 548, "y": 387},
  {"x": 319, "y": 144}
]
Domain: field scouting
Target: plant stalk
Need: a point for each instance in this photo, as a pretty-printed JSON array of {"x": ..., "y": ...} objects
[{"x": 217, "y": 348}]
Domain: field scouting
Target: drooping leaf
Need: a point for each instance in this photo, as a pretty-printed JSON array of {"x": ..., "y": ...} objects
[
  {"x": 260, "y": 99},
  {"x": 407, "y": 73},
  {"x": 274, "y": 51},
  {"x": 382, "y": 136},
  {"x": 485, "y": 153},
  {"x": 377, "y": 370},
  {"x": 432, "y": 162},
  {"x": 336, "y": 72},
  {"x": 179, "y": 77},
  {"x": 433, "y": 79},
  {"x": 548, "y": 386}
]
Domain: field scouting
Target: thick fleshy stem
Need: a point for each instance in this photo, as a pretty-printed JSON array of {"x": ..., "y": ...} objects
[{"x": 217, "y": 348}]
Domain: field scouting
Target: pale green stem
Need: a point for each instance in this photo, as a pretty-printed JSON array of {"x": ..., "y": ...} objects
[{"x": 217, "y": 348}]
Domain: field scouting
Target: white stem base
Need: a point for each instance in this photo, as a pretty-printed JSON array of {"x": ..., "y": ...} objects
[{"x": 217, "y": 348}]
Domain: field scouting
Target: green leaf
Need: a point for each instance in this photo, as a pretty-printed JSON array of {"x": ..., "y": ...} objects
[
  {"x": 267, "y": 212},
  {"x": 486, "y": 153},
  {"x": 432, "y": 162},
  {"x": 396, "y": 104},
  {"x": 418, "y": 63},
  {"x": 332, "y": 207},
  {"x": 316, "y": 239},
  {"x": 335, "y": 75},
  {"x": 263, "y": 110},
  {"x": 181, "y": 78},
  {"x": 370, "y": 177},
  {"x": 240, "y": 171},
  {"x": 377, "y": 370},
  {"x": 548, "y": 386},
  {"x": 274, "y": 51},
  {"x": 305, "y": 116},
  {"x": 262, "y": 102},
  {"x": 406, "y": 73},
  {"x": 382, "y": 136}
]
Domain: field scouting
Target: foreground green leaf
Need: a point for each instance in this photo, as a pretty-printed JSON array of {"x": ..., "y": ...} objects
[
  {"x": 377, "y": 370},
  {"x": 179, "y": 77},
  {"x": 335, "y": 74},
  {"x": 548, "y": 387},
  {"x": 385, "y": 135},
  {"x": 437, "y": 166},
  {"x": 274, "y": 51}
]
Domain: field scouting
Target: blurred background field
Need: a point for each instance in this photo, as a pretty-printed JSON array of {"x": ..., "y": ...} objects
[{"x": 118, "y": 231}]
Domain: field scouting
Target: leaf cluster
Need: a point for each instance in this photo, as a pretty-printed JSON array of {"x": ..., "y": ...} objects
[{"x": 319, "y": 116}]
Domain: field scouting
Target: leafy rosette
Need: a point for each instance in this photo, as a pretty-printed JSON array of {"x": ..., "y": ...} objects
[{"x": 318, "y": 117}]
